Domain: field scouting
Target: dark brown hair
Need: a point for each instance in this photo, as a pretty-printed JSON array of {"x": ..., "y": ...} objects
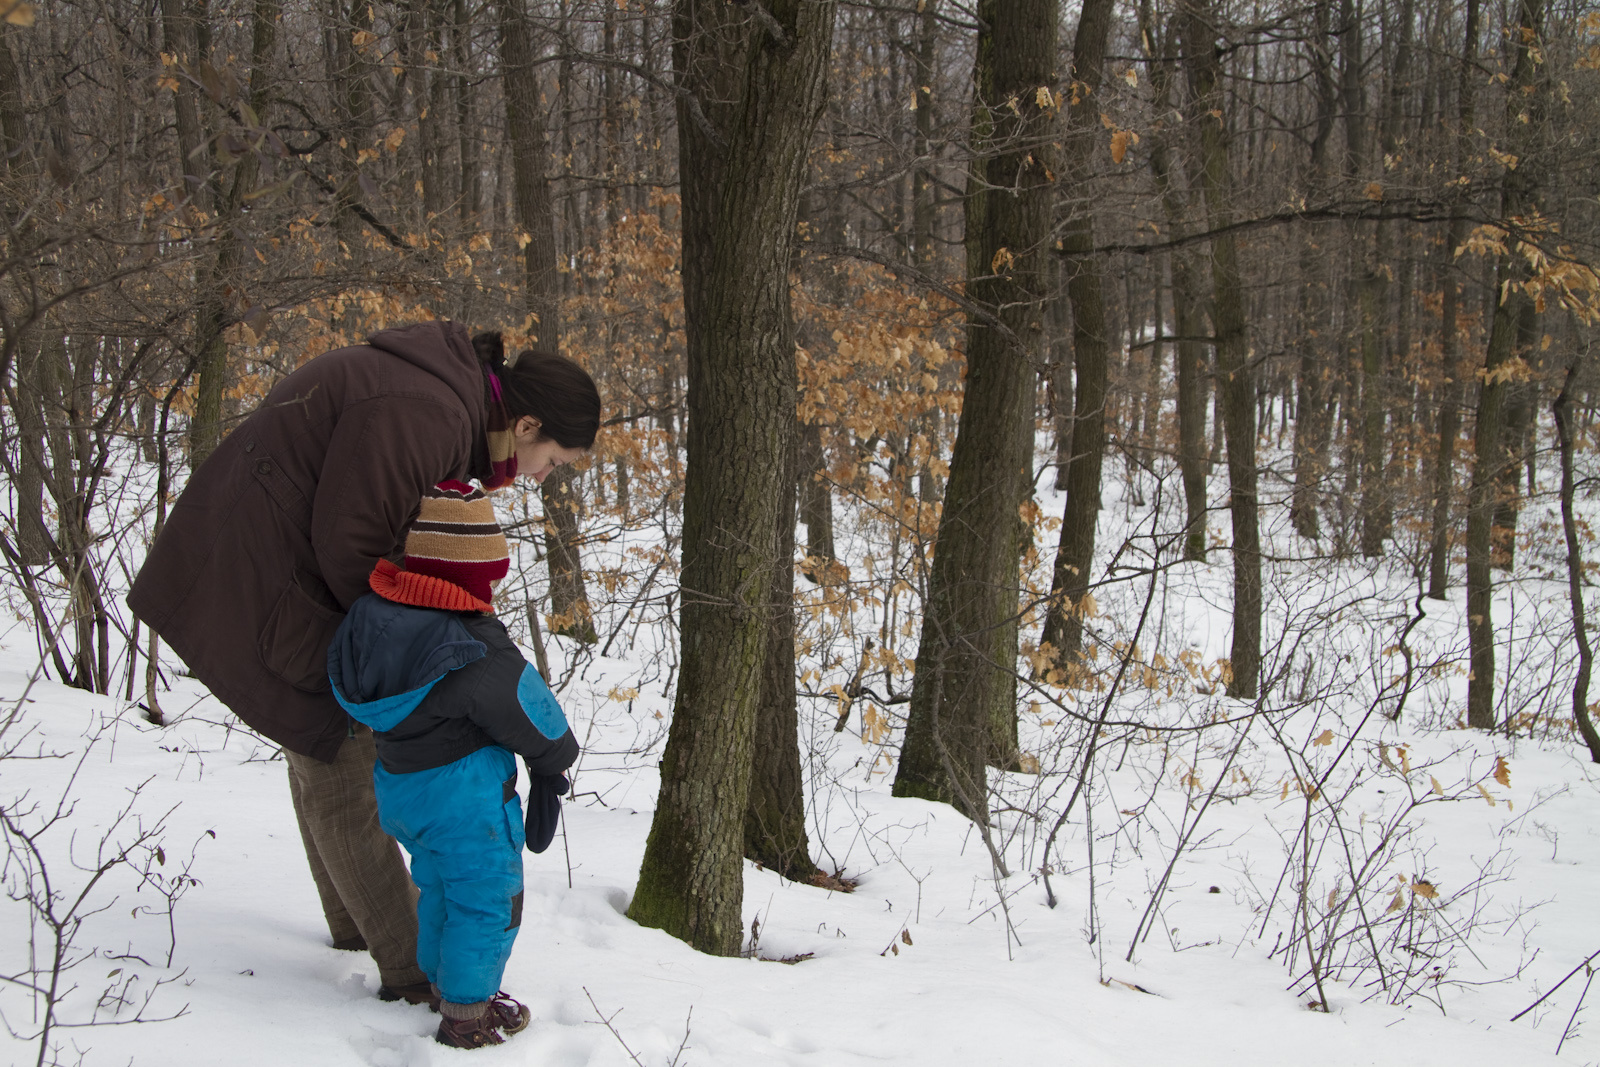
[{"x": 551, "y": 388}]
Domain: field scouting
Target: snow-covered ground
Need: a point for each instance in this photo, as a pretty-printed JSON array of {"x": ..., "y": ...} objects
[{"x": 1475, "y": 861}]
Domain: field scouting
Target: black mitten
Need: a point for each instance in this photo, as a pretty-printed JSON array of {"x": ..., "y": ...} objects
[{"x": 544, "y": 808}]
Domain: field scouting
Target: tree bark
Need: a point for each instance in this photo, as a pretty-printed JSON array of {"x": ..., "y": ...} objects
[
  {"x": 742, "y": 401},
  {"x": 1520, "y": 400},
  {"x": 470, "y": 200},
  {"x": 220, "y": 290},
  {"x": 1562, "y": 409},
  {"x": 569, "y": 597},
  {"x": 1191, "y": 360},
  {"x": 1069, "y": 583},
  {"x": 22, "y": 347},
  {"x": 1377, "y": 495},
  {"x": 1313, "y": 413},
  {"x": 1450, "y": 341},
  {"x": 963, "y": 707},
  {"x": 1235, "y": 378},
  {"x": 816, "y": 498},
  {"x": 1516, "y": 196},
  {"x": 775, "y": 820},
  {"x": 923, "y": 213}
]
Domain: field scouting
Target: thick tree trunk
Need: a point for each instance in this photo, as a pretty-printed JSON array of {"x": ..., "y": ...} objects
[
  {"x": 1517, "y": 194},
  {"x": 1520, "y": 400},
  {"x": 1188, "y": 321},
  {"x": 1451, "y": 391},
  {"x": 21, "y": 345},
  {"x": 775, "y": 820},
  {"x": 1235, "y": 378},
  {"x": 1069, "y": 584},
  {"x": 742, "y": 400},
  {"x": 963, "y": 707},
  {"x": 470, "y": 199},
  {"x": 569, "y": 598},
  {"x": 1377, "y": 493},
  {"x": 178, "y": 37},
  {"x": 530, "y": 188},
  {"x": 1313, "y": 422},
  {"x": 418, "y": 36},
  {"x": 219, "y": 292}
]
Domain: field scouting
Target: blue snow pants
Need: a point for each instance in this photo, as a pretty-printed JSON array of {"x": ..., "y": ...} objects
[{"x": 462, "y": 824}]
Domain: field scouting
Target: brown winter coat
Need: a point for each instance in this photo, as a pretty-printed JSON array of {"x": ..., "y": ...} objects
[{"x": 276, "y": 533}]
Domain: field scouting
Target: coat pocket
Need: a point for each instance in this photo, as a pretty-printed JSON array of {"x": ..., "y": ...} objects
[{"x": 295, "y": 640}]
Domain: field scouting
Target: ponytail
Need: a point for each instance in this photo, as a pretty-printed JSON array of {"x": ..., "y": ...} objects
[{"x": 491, "y": 349}]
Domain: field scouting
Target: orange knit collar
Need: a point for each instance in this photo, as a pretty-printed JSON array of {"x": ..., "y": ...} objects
[{"x": 422, "y": 590}]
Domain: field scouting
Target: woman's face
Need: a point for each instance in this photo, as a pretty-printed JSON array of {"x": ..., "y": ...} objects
[{"x": 538, "y": 456}]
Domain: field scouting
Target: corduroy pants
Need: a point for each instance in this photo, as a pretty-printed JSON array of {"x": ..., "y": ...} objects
[{"x": 357, "y": 867}]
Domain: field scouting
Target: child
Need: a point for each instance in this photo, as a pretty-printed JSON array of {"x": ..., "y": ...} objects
[{"x": 425, "y": 663}]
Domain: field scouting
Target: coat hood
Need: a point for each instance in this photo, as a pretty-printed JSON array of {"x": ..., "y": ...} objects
[
  {"x": 386, "y": 657},
  {"x": 443, "y": 349}
]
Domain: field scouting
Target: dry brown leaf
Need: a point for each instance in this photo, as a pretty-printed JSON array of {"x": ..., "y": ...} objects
[
  {"x": 1502, "y": 771},
  {"x": 16, "y": 12},
  {"x": 1119, "y": 146},
  {"x": 1325, "y": 738}
]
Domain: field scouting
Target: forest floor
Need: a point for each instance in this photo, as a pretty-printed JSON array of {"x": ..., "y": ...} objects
[{"x": 1442, "y": 879}]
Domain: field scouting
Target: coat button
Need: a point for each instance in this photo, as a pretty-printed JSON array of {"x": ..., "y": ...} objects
[{"x": 264, "y": 467}]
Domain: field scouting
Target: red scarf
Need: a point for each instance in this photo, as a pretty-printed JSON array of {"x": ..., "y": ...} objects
[{"x": 501, "y": 440}]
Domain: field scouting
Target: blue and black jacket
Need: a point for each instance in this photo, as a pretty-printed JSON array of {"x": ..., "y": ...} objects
[{"x": 436, "y": 686}]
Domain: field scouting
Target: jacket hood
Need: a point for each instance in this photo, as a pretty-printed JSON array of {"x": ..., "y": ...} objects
[
  {"x": 386, "y": 657},
  {"x": 444, "y": 350}
]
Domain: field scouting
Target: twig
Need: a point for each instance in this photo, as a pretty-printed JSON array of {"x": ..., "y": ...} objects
[
  {"x": 613, "y": 1029},
  {"x": 1575, "y": 1009},
  {"x": 1557, "y": 986},
  {"x": 684, "y": 1044}
]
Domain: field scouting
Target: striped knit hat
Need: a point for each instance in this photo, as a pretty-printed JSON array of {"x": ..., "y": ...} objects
[{"x": 455, "y": 553}]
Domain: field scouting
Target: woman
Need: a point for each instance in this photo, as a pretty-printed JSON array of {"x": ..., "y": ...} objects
[{"x": 275, "y": 535}]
